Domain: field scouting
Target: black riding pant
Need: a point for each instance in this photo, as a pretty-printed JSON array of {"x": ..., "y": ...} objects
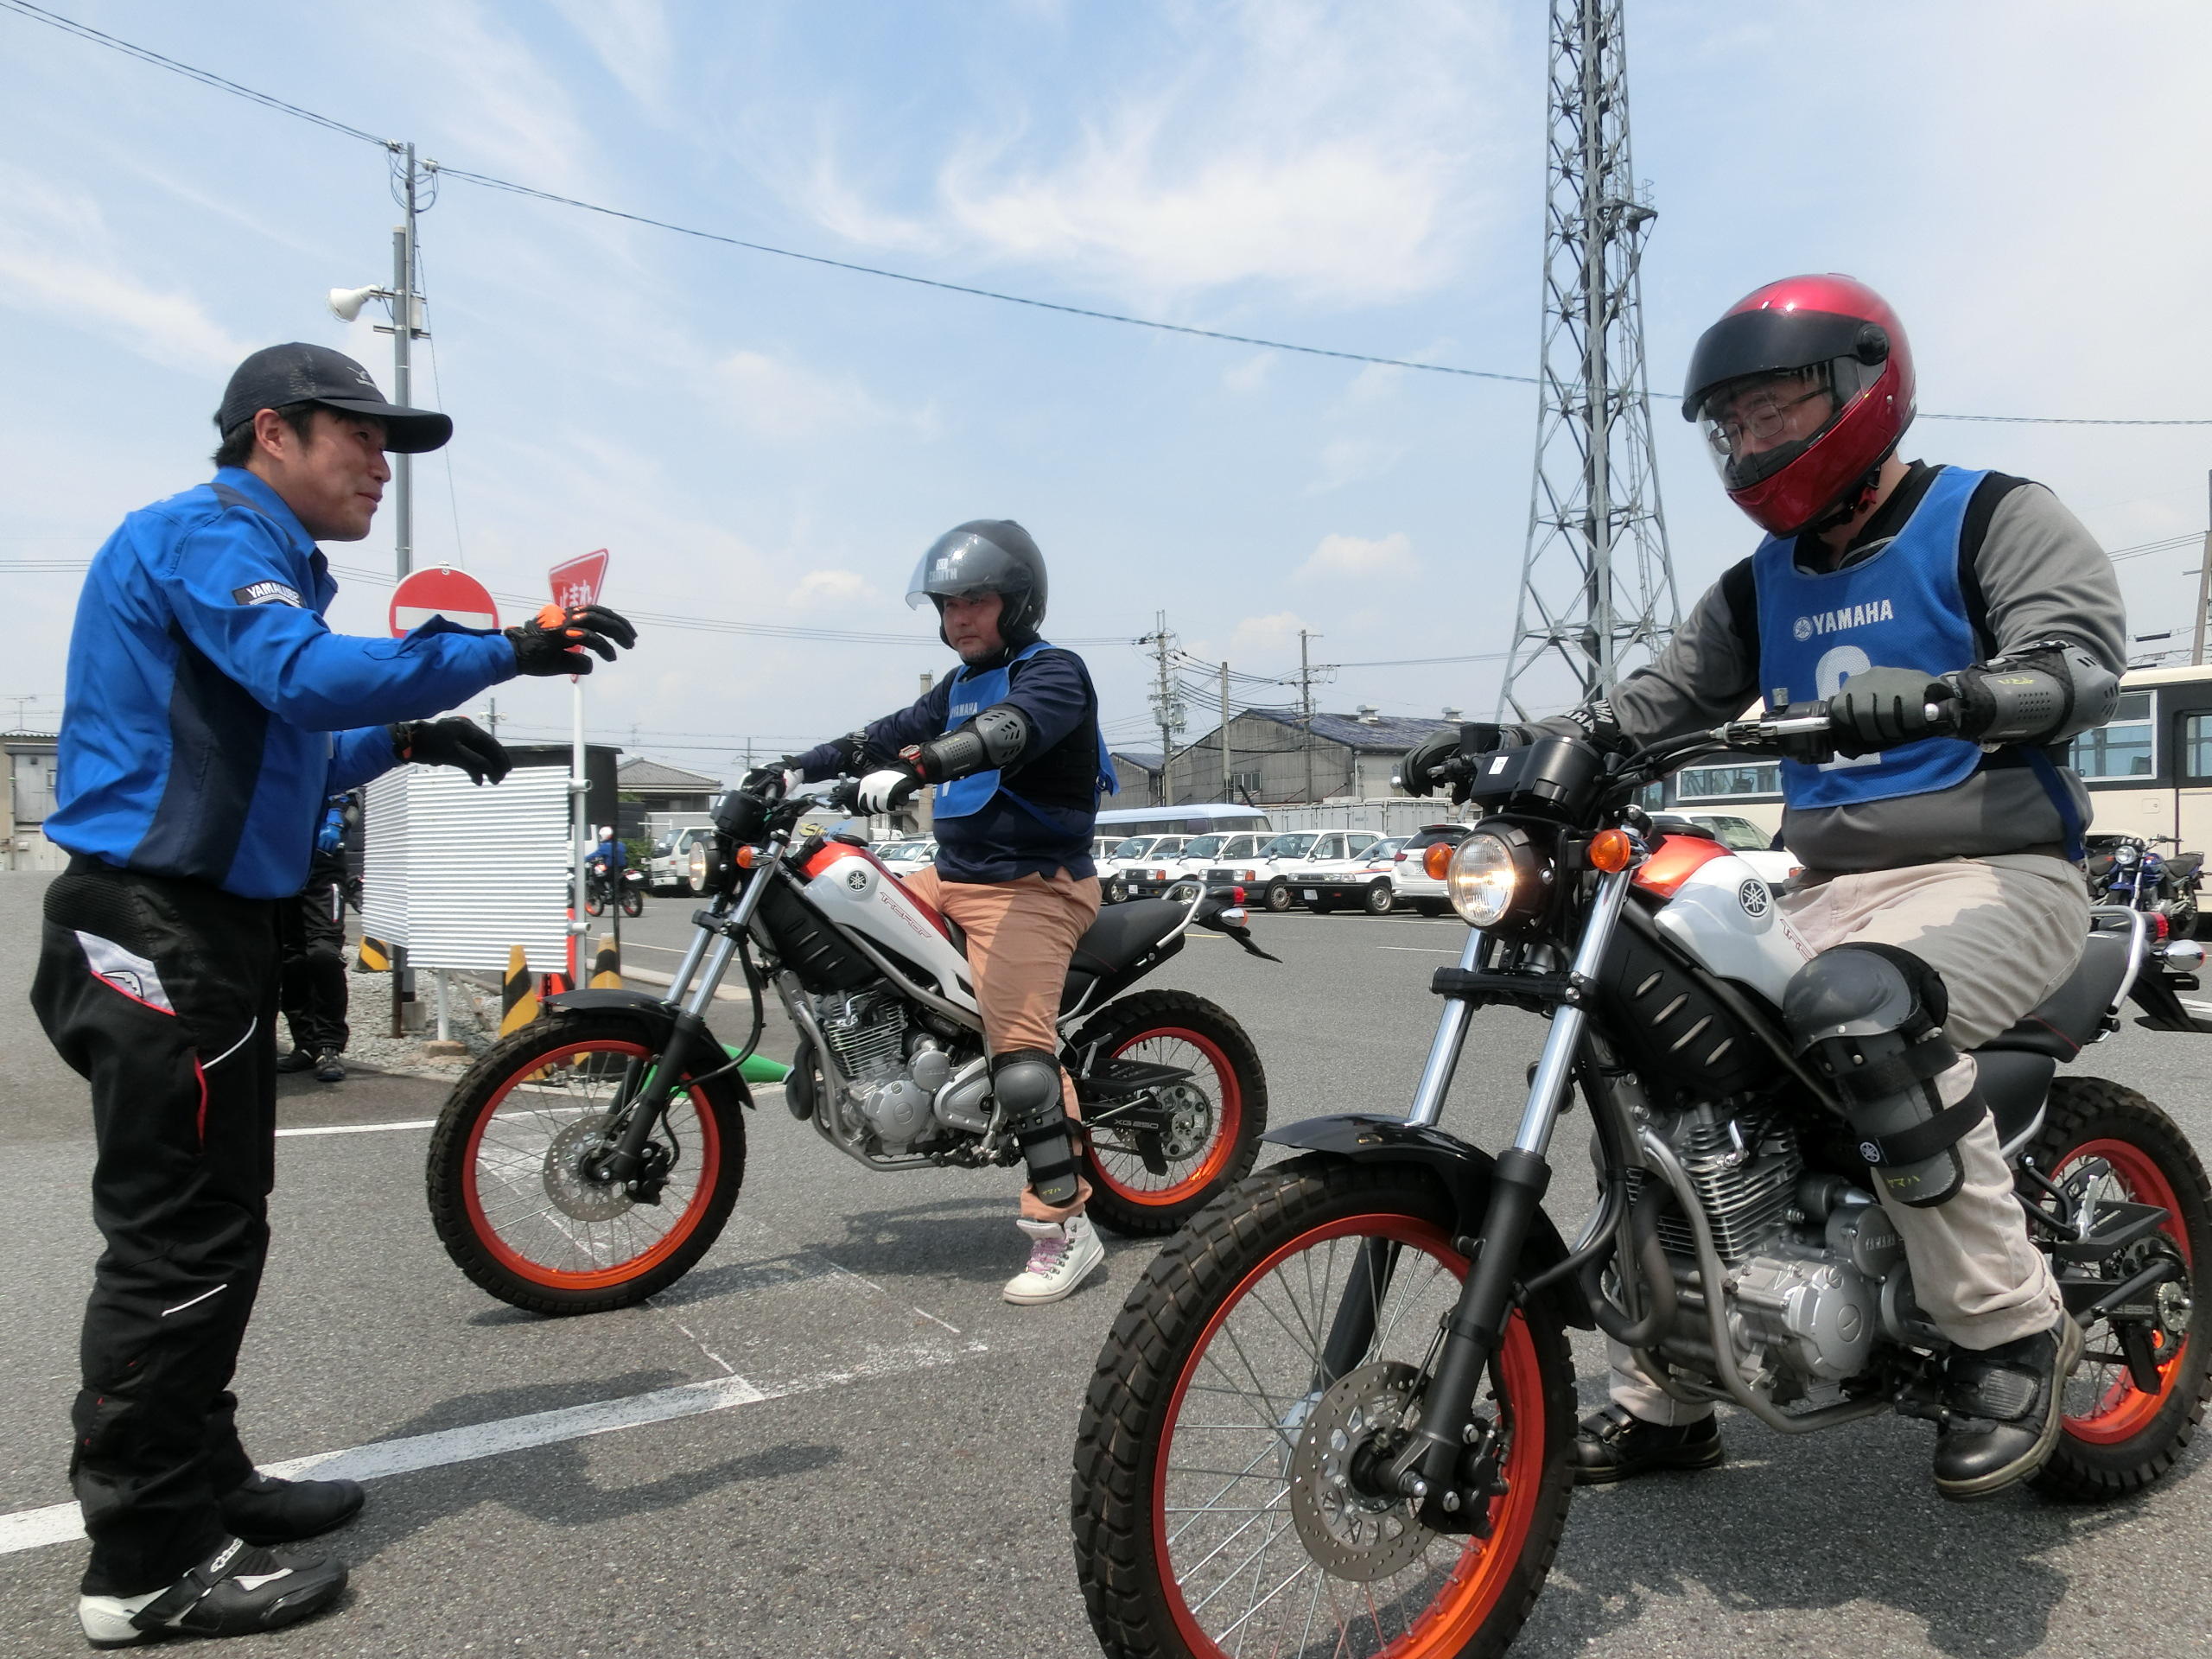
[
  {"x": 163, "y": 994},
  {"x": 311, "y": 930}
]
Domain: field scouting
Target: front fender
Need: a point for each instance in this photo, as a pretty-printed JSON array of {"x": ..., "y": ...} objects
[
  {"x": 660, "y": 1015},
  {"x": 1466, "y": 1172}
]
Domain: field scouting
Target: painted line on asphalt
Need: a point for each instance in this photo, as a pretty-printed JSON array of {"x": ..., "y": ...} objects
[
  {"x": 61, "y": 1524},
  {"x": 1418, "y": 949},
  {"x": 363, "y": 1129}
]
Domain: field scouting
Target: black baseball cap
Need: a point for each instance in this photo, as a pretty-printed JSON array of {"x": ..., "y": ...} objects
[{"x": 300, "y": 373}]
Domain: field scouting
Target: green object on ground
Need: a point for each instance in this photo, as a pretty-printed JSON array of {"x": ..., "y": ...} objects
[{"x": 759, "y": 1068}]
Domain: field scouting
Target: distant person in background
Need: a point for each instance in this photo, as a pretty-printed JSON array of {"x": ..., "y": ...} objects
[
  {"x": 611, "y": 850},
  {"x": 312, "y": 936},
  {"x": 210, "y": 712}
]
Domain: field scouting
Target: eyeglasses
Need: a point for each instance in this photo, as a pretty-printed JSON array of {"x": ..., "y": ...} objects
[{"x": 1758, "y": 414}]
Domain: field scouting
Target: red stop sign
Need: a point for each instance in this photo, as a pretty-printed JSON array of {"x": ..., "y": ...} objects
[
  {"x": 454, "y": 594},
  {"x": 580, "y": 581}
]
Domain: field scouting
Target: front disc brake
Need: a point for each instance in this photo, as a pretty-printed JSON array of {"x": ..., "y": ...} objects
[
  {"x": 1352, "y": 1533},
  {"x": 569, "y": 1182}
]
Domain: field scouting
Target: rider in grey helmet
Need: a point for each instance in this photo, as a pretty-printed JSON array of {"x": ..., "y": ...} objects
[{"x": 1009, "y": 744}]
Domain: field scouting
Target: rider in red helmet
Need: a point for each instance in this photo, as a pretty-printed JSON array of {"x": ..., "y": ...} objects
[{"x": 1942, "y": 896}]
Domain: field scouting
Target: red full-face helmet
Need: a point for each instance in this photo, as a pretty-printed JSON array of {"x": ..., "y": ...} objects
[{"x": 1801, "y": 391}]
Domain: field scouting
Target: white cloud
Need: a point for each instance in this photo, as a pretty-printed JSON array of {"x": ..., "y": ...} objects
[
  {"x": 1354, "y": 461},
  {"x": 631, "y": 40},
  {"x": 1331, "y": 149},
  {"x": 58, "y": 260},
  {"x": 1247, "y": 376},
  {"x": 1358, "y": 556},
  {"x": 774, "y": 398},
  {"x": 1266, "y": 638},
  {"x": 830, "y": 589}
]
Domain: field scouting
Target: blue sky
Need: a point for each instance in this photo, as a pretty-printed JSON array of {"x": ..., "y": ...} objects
[{"x": 760, "y": 439}]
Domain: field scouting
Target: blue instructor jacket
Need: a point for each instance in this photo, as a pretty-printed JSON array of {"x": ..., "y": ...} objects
[{"x": 211, "y": 710}]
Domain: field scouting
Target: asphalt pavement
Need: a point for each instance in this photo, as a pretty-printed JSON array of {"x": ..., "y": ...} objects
[{"x": 834, "y": 1438}]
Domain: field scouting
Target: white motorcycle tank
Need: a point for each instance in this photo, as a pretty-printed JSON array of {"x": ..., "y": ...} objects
[
  {"x": 1723, "y": 915},
  {"x": 851, "y": 887}
]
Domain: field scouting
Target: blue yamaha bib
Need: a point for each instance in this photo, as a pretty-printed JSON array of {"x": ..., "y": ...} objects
[
  {"x": 968, "y": 694},
  {"x": 1901, "y": 608}
]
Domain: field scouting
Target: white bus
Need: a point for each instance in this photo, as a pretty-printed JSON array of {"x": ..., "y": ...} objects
[{"x": 1200, "y": 818}]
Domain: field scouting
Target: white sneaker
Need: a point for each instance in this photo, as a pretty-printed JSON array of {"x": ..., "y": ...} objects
[{"x": 1064, "y": 1255}]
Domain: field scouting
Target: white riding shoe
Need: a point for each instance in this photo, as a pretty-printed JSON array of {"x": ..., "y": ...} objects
[{"x": 1062, "y": 1254}]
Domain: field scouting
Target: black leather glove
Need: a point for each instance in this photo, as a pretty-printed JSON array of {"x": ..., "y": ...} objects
[
  {"x": 1419, "y": 773},
  {"x": 452, "y": 741},
  {"x": 1883, "y": 708},
  {"x": 555, "y": 640}
]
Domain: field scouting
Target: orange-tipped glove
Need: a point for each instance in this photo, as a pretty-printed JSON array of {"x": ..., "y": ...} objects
[{"x": 554, "y": 641}]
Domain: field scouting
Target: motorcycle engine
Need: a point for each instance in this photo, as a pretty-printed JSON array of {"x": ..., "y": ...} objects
[
  {"x": 1813, "y": 1269},
  {"x": 891, "y": 1088}
]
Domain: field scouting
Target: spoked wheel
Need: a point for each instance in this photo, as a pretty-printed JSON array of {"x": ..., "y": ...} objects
[
  {"x": 633, "y": 902},
  {"x": 516, "y": 1190},
  {"x": 2134, "y": 1403},
  {"x": 594, "y": 902},
  {"x": 1223, "y": 1497},
  {"x": 1151, "y": 1178}
]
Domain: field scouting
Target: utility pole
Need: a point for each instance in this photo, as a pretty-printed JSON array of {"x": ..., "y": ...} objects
[
  {"x": 491, "y": 718},
  {"x": 1227, "y": 788},
  {"x": 1167, "y": 702},
  {"x": 405, "y": 328},
  {"x": 1305, "y": 706},
  {"x": 2203, "y": 588},
  {"x": 1597, "y": 579}
]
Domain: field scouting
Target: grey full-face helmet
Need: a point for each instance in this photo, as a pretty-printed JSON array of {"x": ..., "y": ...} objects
[{"x": 985, "y": 555}]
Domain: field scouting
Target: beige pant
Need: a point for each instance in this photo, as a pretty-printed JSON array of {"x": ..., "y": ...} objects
[
  {"x": 2004, "y": 932},
  {"x": 1020, "y": 935}
]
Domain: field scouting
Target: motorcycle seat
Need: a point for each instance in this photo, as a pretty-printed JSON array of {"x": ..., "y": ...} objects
[
  {"x": 1124, "y": 932},
  {"x": 2068, "y": 1020},
  {"x": 2185, "y": 864}
]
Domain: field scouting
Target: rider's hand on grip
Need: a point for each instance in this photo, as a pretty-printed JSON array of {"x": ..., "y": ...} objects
[
  {"x": 455, "y": 741},
  {"x": 1435, "y": 760},
  {"x": 1880, "y": 709},
  {"x": 554, "y": 641},
  {"x": 886, "y": 791}
]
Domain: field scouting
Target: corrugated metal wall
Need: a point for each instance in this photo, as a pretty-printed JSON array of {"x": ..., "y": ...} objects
[
  {"x": 459, "y": 875},
  {"x": 1397, "y": 816}
]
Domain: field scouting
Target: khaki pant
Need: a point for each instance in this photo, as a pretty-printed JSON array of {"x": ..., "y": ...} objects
[
  {"x": 2004, "y": 933},
  {"x": 1020, "y": 935}
]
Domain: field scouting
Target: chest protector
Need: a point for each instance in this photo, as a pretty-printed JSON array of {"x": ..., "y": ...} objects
[
  {"x": 968, "y": 694},
  {"x": 1901, "y": 608}
]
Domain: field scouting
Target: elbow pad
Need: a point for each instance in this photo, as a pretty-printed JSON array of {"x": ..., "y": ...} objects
[
  {"x": 995, "y": 738},
  {"x": 2038, "y": 693}
]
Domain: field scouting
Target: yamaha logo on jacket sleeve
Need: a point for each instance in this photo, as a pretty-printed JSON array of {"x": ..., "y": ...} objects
[{"x": 1900, "y": 608}]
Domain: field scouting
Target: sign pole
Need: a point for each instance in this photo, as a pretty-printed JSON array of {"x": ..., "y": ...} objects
[{"x": 578, "y": 785}]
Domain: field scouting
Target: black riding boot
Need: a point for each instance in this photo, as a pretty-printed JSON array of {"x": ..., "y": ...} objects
[{"x": 2004, "y": 1407}]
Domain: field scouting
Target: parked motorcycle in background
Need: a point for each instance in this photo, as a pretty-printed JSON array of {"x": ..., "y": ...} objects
[
  {"x": 592, "y": 1158},
  {"x": 2129, "y": 870}
]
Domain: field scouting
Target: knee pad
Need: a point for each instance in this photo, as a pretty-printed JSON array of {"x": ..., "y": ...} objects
[
  {"x": 1870, "y": 1018},
  {"x": 1027, "y": 1083}
]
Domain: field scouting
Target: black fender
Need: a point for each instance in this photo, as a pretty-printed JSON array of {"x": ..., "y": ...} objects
[
  {"x": 659, "y": 1016},
  {"x": 1466, "y": 1172}
]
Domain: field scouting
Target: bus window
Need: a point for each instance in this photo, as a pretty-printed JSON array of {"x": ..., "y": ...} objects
[
  {"x": 2197, "y": 747},
  {"x": 2123, "y": 747},
  {"x": 1727, "y": 782}
]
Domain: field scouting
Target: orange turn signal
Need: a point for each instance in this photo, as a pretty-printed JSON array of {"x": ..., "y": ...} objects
[
  {"x": 1612, "y": 850},
  {"x": 1436, "y": 859},
  {"x": 746, "y": 857}
]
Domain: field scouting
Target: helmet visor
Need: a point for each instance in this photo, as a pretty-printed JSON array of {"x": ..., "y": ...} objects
[
  {"x": 961, "y": 565},
  {"x": 1755, "y": 426}
]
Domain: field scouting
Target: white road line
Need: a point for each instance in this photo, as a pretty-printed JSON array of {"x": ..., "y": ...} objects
[
  {"x": 1418, "y": 949},
  {"x": 60, "y": 1523},
  {"x": 364, "y": 1129}
]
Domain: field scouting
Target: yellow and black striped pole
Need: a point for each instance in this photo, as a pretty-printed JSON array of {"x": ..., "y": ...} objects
[
  {"x": 373, "y": 957},
  {"x": 606, "y": 964},
  {"x": 517, "y": 994}
]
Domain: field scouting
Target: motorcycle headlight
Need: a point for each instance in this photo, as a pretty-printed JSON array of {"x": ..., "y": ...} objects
[
  {"x": 2125, "y": 855},
  {"x": 706, "y": 864},
  {"x": 1496, "y": 877}
]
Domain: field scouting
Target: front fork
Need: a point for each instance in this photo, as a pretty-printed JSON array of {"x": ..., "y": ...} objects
[
  {"x": 1429, "y": 1460},
  {"x": 626, "y": 1160}
]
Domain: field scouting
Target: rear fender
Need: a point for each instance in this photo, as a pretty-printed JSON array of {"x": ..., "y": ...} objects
[
  {"x": 659, "y": 1015},
  {"x": 1466, "y": 1172}
]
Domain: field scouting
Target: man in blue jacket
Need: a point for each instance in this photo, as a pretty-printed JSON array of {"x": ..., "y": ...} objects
[
  {"x": 1010, "y": 742},
  {"x": 210, "y": 713}
]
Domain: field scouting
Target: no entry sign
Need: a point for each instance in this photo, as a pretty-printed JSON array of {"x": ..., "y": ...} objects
[
  {"x": 580, "y": 581},
  {"x": 454, "y": 594}
]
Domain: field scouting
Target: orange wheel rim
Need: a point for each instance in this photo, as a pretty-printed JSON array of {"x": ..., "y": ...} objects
[
  {"x": 1228, "y": 1126},
  {"x": 693, "y": 1209},
  {"x": 2122, "y": 1411},
  {"x": 1474, "y": 1582}
]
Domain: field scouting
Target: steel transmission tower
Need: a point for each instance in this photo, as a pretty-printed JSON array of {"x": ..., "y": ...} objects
[{"x": 1597, "y": 583}]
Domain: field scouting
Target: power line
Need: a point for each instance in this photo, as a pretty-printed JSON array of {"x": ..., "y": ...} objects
[{"x": 206, "y": 77}]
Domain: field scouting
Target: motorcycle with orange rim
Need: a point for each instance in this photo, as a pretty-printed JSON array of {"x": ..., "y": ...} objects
[
  {"x": 592, "y": 1156},
  {"x": 1334, "y": 1416}
]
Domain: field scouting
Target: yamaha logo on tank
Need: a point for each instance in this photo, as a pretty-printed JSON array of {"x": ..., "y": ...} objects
[
  {"x": 1754, "y": 897},
  {"x": 856, "y": 878}
]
